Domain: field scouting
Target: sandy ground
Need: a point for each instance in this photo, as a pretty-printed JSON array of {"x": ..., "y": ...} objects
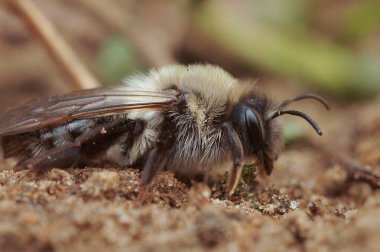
[{"x": 315, "y": 201}]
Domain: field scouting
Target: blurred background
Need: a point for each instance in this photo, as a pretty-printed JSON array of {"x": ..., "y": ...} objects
[
  {"x": 328, "y": 47},
  {"x": 331, "y": 46}
]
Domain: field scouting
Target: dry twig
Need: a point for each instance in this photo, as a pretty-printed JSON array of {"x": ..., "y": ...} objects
[
  {"x": 356, "y": 171},
  {"x": 59, "y": 49}
]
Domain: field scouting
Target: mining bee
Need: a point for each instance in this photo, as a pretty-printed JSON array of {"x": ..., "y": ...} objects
[{"x": 192, "y": 120}]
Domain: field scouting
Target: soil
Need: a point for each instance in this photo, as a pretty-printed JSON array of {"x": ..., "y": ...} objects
[
  {"x": 316, "y": 200},
  {"x": 323, "y": 194}
]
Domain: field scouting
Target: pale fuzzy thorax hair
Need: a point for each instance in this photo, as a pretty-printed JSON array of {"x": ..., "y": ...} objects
[
  {"x": 212, "y": 82},
  {"x": 159, "y": 79}
]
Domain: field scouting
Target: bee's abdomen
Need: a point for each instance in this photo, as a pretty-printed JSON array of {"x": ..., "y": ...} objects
[
  {"x": 35, "y": 143},
  {"x": 58, "y": 136}
]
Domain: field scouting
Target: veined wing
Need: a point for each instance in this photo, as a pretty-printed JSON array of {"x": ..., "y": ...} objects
[{"x": 80, "y": 105}]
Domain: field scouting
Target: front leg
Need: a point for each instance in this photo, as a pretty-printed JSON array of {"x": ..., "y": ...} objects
[{"x": 237, "y": 154}]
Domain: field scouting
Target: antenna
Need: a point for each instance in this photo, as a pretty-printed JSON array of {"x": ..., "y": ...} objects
[{"x": 300, "y": 114}]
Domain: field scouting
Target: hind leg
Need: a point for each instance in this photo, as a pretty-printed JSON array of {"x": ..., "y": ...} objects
[
  {"x": 86, "y": 145},
  {"x": 61, "y": 157}
]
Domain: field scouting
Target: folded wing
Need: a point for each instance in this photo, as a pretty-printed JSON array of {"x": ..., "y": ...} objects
[{"x": 82, "y": 104}]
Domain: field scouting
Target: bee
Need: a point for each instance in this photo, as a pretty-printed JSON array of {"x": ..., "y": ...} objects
[{"x": 194, "y": 120}]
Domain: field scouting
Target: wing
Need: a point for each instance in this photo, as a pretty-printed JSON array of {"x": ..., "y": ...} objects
[{"x": 82, "y": 104}]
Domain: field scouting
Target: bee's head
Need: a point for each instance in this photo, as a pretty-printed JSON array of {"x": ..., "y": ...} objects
[{"x": 253, "y": 119}]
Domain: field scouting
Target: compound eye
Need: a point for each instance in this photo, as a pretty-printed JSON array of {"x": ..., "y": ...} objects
[{"x": 254, "y": 128}]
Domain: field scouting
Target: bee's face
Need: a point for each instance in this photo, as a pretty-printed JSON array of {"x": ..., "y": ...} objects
[
  {"x": 259, "y": 135},
  {"x": 253, "y": 119}
]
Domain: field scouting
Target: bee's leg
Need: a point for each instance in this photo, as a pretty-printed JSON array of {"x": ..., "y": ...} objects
[
  {"x": 88, "y": 144},
  {"x": 156, "y": 161},
  {"x": 237, "y": 153},
  {"x": 157, "y": 158},
  {"x": 62, "y": 157}
]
